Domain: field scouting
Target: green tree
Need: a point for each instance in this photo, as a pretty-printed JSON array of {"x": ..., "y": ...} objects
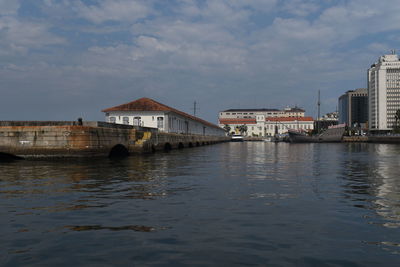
[
  {"x": 243, "y": 129},
  {"x": 227, "y": 128},
  {"x": 396, "y": 128},
  {"x": 397, "y": 117}
]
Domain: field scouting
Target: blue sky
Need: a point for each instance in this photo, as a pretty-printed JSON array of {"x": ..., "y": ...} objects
[{"x": 60, "y": 60}]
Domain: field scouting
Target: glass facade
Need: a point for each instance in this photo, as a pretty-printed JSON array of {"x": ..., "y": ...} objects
[
  {"x": 353, "y": 107},
  {"x": 343, "y": 108},
  {"x": 359, "y": 109}
]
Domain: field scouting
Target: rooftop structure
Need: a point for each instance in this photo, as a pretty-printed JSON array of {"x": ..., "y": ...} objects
[{"x": 266, "y": 112}]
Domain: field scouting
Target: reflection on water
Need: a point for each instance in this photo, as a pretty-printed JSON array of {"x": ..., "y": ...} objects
[
  {"x": 139, "y": 228},
  {"x": 371, "y": 172},
  {"x": 388, "y": 188},
  {"x": 234, "y": 203}
]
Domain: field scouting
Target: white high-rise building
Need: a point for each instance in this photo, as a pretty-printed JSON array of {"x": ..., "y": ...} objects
[{"x": 384, "y": 92}]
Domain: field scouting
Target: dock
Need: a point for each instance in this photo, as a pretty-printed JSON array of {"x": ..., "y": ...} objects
[{"x": 35, "y": 139}]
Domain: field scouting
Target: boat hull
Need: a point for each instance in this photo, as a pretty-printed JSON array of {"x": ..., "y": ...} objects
[{"x": 329, "y": 135}]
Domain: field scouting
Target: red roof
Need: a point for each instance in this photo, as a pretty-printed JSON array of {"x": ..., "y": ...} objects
[
  {"x": 289, "y": 119},
  {"x": 238, "y": 121},
  {"x": 147, "y": 104}
]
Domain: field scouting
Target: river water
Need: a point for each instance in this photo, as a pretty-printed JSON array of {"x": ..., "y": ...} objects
[{"x": 250, "y": 203}]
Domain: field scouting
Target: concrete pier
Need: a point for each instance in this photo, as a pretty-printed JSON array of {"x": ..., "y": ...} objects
[{"x": 87, "y": 139}]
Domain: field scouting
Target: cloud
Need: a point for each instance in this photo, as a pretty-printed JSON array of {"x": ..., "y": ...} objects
[
  {"x": 268, "y": 52},
  {"x": 114, "y": 10},
  {"x": 20, "y": 36},
  {"x": 378, "y": 47},
  {"x": 9, "y": 7},
  {"x": 355, "y": 18},
  {"x": 300, "y": 7}
]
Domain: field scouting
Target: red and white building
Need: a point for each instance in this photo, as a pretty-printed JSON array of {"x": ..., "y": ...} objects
[
  {"x": 262, "y": 125},
  {"x": 146, "y": 112}
]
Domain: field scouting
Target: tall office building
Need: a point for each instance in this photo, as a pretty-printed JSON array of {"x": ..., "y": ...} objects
[
  {"x": 353, "y": 107},
  {"x": 384, "y": 92}
]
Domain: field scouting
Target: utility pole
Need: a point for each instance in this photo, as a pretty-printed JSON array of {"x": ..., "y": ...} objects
[
  {"x": 319, "y": 107},
  {"x": 194, "y": 108}
]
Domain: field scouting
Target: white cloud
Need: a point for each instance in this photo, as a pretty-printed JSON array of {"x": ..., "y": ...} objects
[
  {"x": 114, "y": 10},
  {"x": 9, "y": 7},
  {"x": 261, "y": 49},
  {"x": 20, "y": 36},
  {"x": 378, "y": 48},
  {"x": 359, "y": 18},
  {"x": 156, "y": 45},
  {"x": 257, "y": 5},
  {"x": 231, "y": 14},
  {"x": 300, "y": 7}
]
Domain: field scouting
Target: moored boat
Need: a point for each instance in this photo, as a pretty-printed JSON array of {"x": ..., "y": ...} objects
[
  {"x": 332, "y": 134},
  {"x": 237, "y": 138}
]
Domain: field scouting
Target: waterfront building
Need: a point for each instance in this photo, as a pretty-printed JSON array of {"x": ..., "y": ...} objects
[
  {"x": 353, "y": 107},
  {"x": 146, "y": 112},
  {"x": 384, "y": 92},
  {"x": 265, "y": 122},
  {"x": 262, "y": 126}
]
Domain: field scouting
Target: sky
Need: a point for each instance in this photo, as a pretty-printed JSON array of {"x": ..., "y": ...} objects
[{"x": 60, "y": 60}]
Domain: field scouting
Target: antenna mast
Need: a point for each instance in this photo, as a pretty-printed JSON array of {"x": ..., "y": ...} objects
[
  {"x": 194, "y": 108},
  {"x": 319, "y": 107}
]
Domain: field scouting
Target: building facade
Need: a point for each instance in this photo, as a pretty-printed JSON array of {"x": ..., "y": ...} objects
[
  {"x": 384, "y": 93},
  {"x": 262, "y": 126},
  {"x": 353, "y": 107},
  {"x": 265, "y": 122},
  {"x": 146, "y": 112}
]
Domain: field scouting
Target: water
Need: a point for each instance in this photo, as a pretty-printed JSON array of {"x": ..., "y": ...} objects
[{"x": 249, "y": 203}]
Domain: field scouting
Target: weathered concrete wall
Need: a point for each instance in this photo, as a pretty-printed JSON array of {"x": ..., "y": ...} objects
[
  {"x": 67, "y": 139},
  {"x": 62, "y": 141},
  {"x": 165, "y": 141}
]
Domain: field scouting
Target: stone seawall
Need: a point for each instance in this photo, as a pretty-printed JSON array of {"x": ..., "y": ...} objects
[
  {"x": 62, "y": 141},
  {"x": 165, "y": 141},
  {"x": 355, "y": 139},
  {"x": 88, "y": 139}
]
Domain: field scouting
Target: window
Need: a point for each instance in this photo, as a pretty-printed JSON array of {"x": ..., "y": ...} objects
[
  {"x": 137, "y": 121},
  {"x": 160, "y": 122},
  {"x": 112, "y": 119},
  {"x": 125, "y": 120}
]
